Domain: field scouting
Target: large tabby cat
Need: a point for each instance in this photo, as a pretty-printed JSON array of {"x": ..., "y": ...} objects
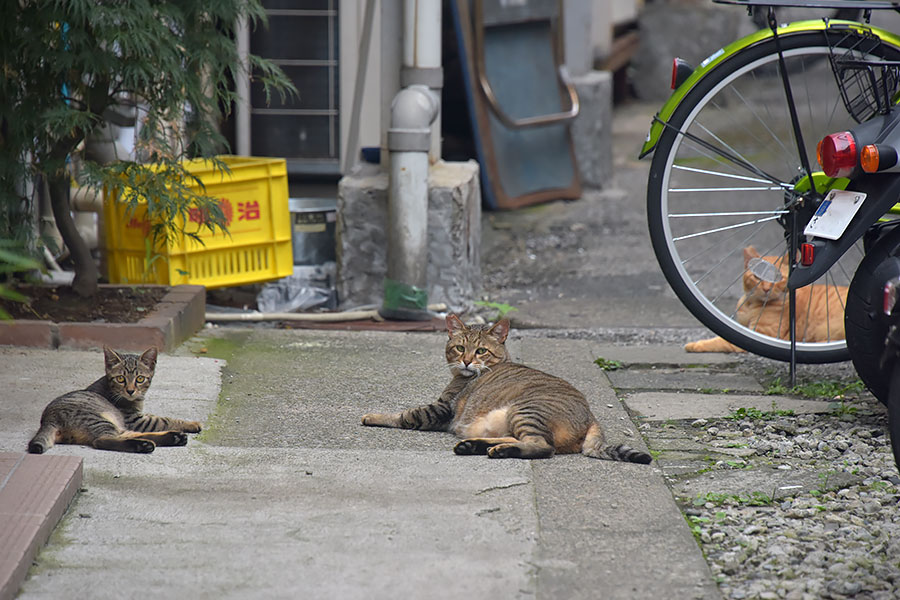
[
  {"x": 108, "y": 414},
  {"x": 504, "y": 409},
  {"x": 764, "y": 308}
]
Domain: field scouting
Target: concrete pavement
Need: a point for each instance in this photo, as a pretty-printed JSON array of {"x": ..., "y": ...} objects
[{"x": 285, "y": 495}]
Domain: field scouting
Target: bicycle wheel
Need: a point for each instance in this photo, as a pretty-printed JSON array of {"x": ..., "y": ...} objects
[{"x": 705, "y": 208}]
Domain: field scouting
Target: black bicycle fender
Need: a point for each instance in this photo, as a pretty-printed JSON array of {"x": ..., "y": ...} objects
[{"x": 882, "y": 192}]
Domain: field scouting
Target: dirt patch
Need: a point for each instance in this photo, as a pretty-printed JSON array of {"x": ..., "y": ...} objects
[{"x": 61, "y": 304}]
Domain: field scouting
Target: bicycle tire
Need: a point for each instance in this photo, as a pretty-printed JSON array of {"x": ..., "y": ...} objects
[
  {"x": 695, "y": 209},
  {"x": 893, "y": 406},
  {"x": 865, "y": 330}
]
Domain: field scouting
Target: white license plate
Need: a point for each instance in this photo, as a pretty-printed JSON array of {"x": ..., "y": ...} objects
[{"x": 834, "y": 214}]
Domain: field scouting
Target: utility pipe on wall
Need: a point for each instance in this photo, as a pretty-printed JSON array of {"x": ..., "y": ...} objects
[
  {"x": 413, "y": 111},
  {"x": 242, "y": 88},
  {"x": 422, "y": 56}
]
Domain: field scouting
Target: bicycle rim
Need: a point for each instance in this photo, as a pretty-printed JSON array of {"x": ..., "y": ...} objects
[{"x": 704, "y": 209}]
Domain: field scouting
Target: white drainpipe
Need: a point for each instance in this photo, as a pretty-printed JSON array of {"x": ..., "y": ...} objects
[{"x": 414, "y": 111}]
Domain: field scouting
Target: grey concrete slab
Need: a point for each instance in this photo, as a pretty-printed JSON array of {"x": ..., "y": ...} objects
[
  {"x": 620, "y": 532},
  {"x": 661, "y": 355},
  {"x": 288, "y": 523},
  {"x": 682, "y": 379},
  {"x": 285, "y": 493},
  {"x": 664, "y": 406},
  {"x": 185, "y": 387}
]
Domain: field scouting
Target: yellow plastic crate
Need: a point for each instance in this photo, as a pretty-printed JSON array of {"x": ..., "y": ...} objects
[{"x": 254, "y": 198}]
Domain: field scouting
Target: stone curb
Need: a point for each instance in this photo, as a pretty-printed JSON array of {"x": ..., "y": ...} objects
[
  {"x": 177, "y": 317},
  {"x": 35, "y": 492}
]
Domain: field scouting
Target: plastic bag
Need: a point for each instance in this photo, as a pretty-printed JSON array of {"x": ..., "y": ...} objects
[{"x": 309, "y": 287}]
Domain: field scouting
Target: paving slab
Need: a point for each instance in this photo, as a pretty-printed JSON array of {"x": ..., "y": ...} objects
[
  {"x": 618, "y": 531},
  {"x": 682, "y": 379},
  {"x": 230, "y": 522},
  {"x": 185, "y": 387},
  {"x": 661, "y": 354},
  {"x": 665, "y": 406}
]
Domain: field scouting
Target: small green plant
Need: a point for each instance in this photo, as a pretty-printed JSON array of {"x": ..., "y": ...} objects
[
  {"x": 842, "y": 408},
  {"x": 816, "y": 389},
  {"x": 150, "y": 258},
  {"x": 502, "y": 308},
  {"x": 608, "y": 364},
  {"x": 754, "y": 414},
  {"x": 694, "y": 523},
  {"x": 823, "y": 480},
  {"x": 718, "y": 499},
  {"x": 878, "y": 486},
  {"x": 738, "y": 464}
]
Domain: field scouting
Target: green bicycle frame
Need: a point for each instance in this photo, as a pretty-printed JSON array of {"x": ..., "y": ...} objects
[{"x": 723, "y": 54}]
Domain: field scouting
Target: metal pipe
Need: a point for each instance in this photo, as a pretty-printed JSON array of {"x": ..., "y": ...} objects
[
  {"x": 422, "y": 56},
  {"x": 413, "y": 111},
  {"x": 414, "y": 108},
  {"x": 328, "y": 317},
  {"x": 242, "y": 88}
]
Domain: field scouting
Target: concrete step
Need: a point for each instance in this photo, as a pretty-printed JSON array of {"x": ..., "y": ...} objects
[{"x": 35, "y": 491}]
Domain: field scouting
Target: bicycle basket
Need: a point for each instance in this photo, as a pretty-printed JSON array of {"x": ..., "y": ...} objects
[{"x": 868, "y": 87}]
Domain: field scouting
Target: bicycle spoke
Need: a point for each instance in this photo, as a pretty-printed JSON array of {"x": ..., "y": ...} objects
[
  {"x": 765, "y": 124},
  {"x": 724, "y": 154},
  {"x": 728, "y": 214},
  {"x": 719, "y": 229},
  {"x": 720, "y": 174}
]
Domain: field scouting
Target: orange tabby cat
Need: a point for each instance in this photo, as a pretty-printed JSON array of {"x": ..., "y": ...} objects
[{"x": 764, "y": 308}]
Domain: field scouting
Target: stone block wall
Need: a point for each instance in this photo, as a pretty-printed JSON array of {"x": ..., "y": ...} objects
[
  {"x": 454, "y": 235},
  {"x": 592, "y": 128}
]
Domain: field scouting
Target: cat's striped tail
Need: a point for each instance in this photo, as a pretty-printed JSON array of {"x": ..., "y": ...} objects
[
  {"x": 43, "y": 440},
  {"x": 595, "y": 447}
]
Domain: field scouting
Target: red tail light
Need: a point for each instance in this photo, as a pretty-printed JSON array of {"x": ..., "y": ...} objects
[
  {"x": 807, "y": 254},
  {"x": 681, "y": 70},
  {"x": 838, "y": 154}
]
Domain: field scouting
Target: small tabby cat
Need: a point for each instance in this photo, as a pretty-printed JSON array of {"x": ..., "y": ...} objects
[
  {"x": 504, "y": 409},
  {"x": 764, "y": 308},
  {"x": 108, "y": 414}
]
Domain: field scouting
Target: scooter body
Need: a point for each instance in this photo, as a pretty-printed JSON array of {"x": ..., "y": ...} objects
[
  {"x": 872, "y": 313},
  {"x": 872, "y": 327}
]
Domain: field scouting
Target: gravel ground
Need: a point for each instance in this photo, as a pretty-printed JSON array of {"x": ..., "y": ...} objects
[{"x": 839, "y": 540}]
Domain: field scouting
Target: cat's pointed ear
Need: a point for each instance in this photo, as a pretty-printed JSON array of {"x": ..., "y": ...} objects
[
  {"x": 500, "y": 330},
  {"x": 750, "y": 252},
  {"x": 149, "y": 357},
  {"x": 454, "y": 324},
  {"x": 110, "y": 356}
]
